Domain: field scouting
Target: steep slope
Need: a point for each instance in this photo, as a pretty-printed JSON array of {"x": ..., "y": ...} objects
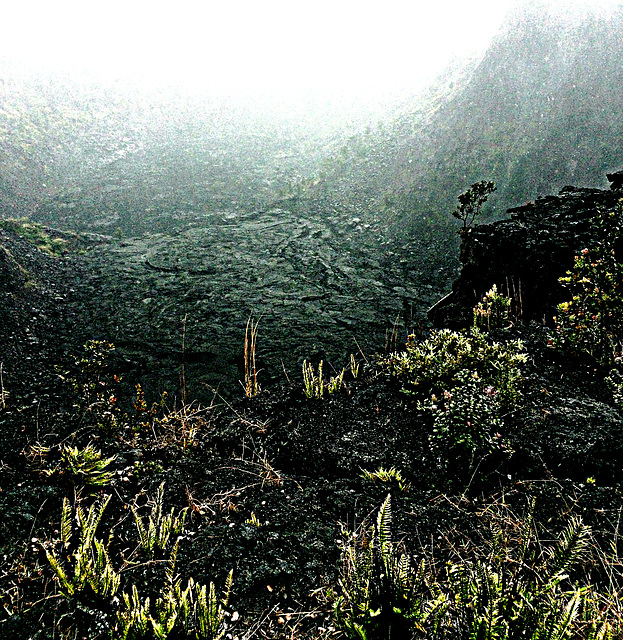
[{"x": 541, "y": 109}]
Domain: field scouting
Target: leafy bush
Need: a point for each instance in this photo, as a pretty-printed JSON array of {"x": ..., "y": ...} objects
[
  {"x": 94, "y": 387},
  {"x": 468, "y": 419},
  {"x": 433, "y": 365},
  {"x": 592, "y": 321},
  {"x": 465, "y": 381},
  {"x": 493, "y": 312}
]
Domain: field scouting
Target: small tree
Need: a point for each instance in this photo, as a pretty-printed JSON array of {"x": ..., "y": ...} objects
[{"x": 472, "y": 201}]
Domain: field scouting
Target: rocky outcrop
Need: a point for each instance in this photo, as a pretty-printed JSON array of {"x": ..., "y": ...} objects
[{"x": 525, "y": 255}]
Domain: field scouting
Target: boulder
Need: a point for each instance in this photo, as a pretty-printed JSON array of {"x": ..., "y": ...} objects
[{"x": 524, "y": 256}]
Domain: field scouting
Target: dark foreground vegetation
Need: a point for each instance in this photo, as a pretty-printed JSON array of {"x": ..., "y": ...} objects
[{"x": 466, "y": 484}]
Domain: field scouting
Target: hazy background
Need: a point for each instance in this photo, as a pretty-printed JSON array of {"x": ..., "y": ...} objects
[
  {"x": 405, "y": 103},
  {"x": 295, "y": 161},
  {"x": 353, "y": 49}
]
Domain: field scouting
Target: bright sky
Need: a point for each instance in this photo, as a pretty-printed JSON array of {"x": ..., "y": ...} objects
[{"x": 337, "y": 45}]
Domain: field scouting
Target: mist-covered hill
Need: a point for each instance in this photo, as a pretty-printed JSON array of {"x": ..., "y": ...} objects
[
  {"x": 76, "y": 150},
  {"x": 542, "y": 108}
]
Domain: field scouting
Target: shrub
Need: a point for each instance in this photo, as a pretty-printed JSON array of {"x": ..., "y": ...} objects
[
  {"x": 94, "y": 387},
  {"x": 430, "y": 367},
  {"x": 592, "y": 320},
  {"x": 37, "y": 235},
  {"x": 493, "y": 312},
  {"x": 469, "y": 419},
  {"x": 466, "y": 383}
]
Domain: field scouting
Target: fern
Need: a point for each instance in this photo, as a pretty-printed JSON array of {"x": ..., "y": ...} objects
[
  {"x": 104, "y": 580},
  {"x": 572, "y": 546},
  {"x": 387, "y": 476},
  {"x": 88, "y": 573},
  {"x": 66, "y": 523},
  {"x": 562, "y": 627},
  {"x": 158, "y": 531},
  {"x": 66, "y": 586},
  {"x": 211, "y": 611},
  {"x": 89, "y": 523},
  {"x": 381, "y": 593},
  {"x": 86, "y": 466},
  {"x": 383, "y": 523}
]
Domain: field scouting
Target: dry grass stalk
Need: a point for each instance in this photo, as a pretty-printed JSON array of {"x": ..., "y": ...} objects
[
  {"x": 251, "y": 387},
  {"x": 3, "y": 393}
]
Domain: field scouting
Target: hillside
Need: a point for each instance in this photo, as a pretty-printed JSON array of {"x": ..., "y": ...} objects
[
  {"x": 539, "y": 110},
  {"x": 228, "y": 410},
  {"x": 484, "y": 444}
]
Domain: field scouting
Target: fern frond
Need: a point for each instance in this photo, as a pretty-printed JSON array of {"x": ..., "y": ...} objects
[
  {"x": 170, "y": 567},
  {"x": 66, "y": 523},
  {"x": 383, "y": 524},
  {"x": 402, "y": 576},
  {"x": 140, "y": 528},
  {"x": 572, "y": 546},
  {"x": 152, "y": 532},
  {"x": 164, "y": 530},
  {"x": 65, "y": 585},
  {"x": 213, "y": 609},
  {"x": 208, "y": 611},
  {"x": 227, "y": 591},
  {"x": 179, "y": 522},
  {"x": 202, "y": 610},
  {"x": 157, "y": 508},
  {"x": 103, "y": 579},
  {"x": 559, "y": 627},
  {"x": 80, "y": 517},
  {"x": 90, "y": 524}
]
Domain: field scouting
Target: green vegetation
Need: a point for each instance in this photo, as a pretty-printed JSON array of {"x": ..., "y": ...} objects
[
  {"x": 493, "y": 312},
  {"x": 251, "y": 386},
  {"x": 37, "y": 235},
  {"x": 162, "y": 609},
  {"x": 313, "y": 384},
  {"x": 444, "y": 556},
  {"x": 471, "y": 203},
  {"x": 379, "y": 593},
  {"x": 387, "y": 476},
  {"x": 592, "y": 321},
  {"x": 466, "y": 382},
  {"x": 502, "y": 578},
  {"x": 433, "y": 366},
  {"x": 95, "y": 397},
  {"x": 511, "y": 587},
  {"x": 86, "y": 467}
]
